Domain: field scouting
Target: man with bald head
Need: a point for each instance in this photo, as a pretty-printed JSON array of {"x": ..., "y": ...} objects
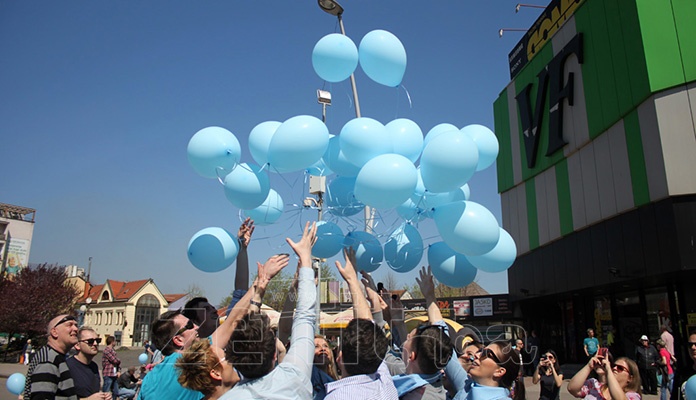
[{"x": 49, "y": 376}]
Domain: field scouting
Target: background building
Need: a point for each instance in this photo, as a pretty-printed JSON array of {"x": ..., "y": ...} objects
[
  {"x": 125, "y": 310},
  {"x": 596, "y": 171},
  {"x": 16, "y": 231}
]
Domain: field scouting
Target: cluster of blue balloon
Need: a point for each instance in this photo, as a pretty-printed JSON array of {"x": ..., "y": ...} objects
[{"x": 374, "y": 165}]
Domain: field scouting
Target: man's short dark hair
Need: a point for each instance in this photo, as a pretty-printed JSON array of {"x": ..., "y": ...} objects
[
  {"x": 109, "y": 340},
  {"x": 433, "y": 348},
  {"x": 163, "y": 331},
  {"x": 252, "y": 347},
  {"x": 363, "y": 347}
]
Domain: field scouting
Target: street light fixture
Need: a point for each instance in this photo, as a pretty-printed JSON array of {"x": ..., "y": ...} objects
[
  {"x": 500, "y": 32},
  {"x": 331, "y": 6},
  {"x": 519, "y": 5}
]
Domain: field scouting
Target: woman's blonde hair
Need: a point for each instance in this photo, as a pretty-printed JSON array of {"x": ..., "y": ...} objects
[
  {"x": 195, "y": 365},
  {"x": 331, "y": 369},
  {"x": 634, "y": 384}
]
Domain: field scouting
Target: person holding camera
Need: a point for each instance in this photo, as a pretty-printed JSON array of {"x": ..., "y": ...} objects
[{"x": 549, "y": 375}]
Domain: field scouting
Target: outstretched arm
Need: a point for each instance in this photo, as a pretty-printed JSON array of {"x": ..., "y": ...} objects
[
  {"x": 427, "y": 286},
  {"x": 301, "y": 352},
  {"x": 255, "y": 293},
  {"x": 360, "y": 307},
  {"x": 578, "y": 380},
  {"x": 241, "y": 278}
]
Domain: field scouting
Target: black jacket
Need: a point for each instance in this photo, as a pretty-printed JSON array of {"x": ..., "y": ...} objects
[{"x": 646, "y": 357}]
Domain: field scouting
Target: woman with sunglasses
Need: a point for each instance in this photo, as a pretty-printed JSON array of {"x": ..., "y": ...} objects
[
  {"x": 203, "y": 368},
  {"x": 495, "y": 368},
  {"x": 621, "y": 382},
  {"x": 549, "y": 375}
]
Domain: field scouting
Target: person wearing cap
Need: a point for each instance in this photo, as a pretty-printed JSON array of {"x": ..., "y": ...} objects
[
  {"x": 646, "y": 357},
  {"x": 49, "y": 376}
]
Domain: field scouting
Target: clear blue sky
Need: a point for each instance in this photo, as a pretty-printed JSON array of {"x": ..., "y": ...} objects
[{"x": 98, "y": 100}]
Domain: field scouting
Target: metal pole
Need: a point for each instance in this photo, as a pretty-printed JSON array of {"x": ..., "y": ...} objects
[{"x": 368, "y": 210}]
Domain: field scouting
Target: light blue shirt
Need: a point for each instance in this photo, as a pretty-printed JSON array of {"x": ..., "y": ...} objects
[
  {"x": 162, "y": 383},
  {"x": 291, "y": 379}
]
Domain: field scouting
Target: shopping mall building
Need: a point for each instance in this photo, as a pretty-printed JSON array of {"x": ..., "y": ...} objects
[{"x": 597, "y": 171}]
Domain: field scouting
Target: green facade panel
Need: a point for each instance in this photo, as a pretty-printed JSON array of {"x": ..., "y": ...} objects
[
  {"x": 636, "y": 160},
  {"x": 502, "y": 131},
  {"x": 622, "y": 81},
  {"x": 532, "y": 214},
  {"x": 590, "y": 72},
  {"x": 660, "y": 42},
  {"x": 635, "y": 53},
  {"x": 565, "y": 209},
  {"x": 684, "y": 13}
]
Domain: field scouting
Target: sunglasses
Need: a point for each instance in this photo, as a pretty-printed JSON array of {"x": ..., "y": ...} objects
[
  {"x": 621, "y": 368},
  {"x": 488, "y": 353},
  {"x": 91, "y": 342},
  {"x": 690, "y": 344},
  {"x": 64, "y": 320},
  {"x": 189, "y": 325}
]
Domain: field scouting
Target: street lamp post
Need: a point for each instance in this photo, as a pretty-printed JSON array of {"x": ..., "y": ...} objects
[{"x": 332, "y": 7}]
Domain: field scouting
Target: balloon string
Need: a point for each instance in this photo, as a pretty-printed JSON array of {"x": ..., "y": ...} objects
[{"x": 408, "y": 96}]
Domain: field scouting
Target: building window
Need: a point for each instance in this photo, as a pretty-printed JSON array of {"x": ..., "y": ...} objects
[
  {"x": 147, "y": 309},
  {"x": 105, "y": 296}
]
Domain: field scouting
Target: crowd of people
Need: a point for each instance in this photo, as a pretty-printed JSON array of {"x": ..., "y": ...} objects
[{"x": 196, "y": 356}]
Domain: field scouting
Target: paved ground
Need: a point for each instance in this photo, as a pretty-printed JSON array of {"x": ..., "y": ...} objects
[{"x": 130, "y": 357}]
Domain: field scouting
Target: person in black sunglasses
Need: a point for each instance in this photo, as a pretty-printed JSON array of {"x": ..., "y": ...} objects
[
  {"x": 84, "y": 371},
  {"x": 48, "y": 375}
]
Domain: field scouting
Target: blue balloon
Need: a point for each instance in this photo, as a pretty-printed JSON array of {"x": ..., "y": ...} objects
[
  {"x": 247, "y": 186},
  {"x": 268, "y": 212},
  {"x": 334, "y": 57},
  {"x": 363, "y": 139},
  {"x": 319, "y": 168},
  {"x": 212, "y": 249},
  {"x": 449, "y": 267},
  {"x": 463, "y": 193},
  {"x": 337, "y": 161},
  {"x": 467, "y": 227},
  {"x": 386, "y": 181},
  {"x": 486, "y": 142},
  {"x": 368, "y": 250},
  {"x": 142, "y": 358},
  {"x": 438, "y": 130},
  {"x": 383, "y": 57},
  {"x": 298, "y": 143},
  {"x": 690, "y": 388},
  {"x": 329, "y": 240},
  {"x": 410, "y": 211},
  {"x": 260, "y": 140},
  {"x": 404, "y": 249},
  {"x": 15, "y": 383},
  {"x": 429, "y": 200},
  {"x": 406, "y": 138},
  {"x": 340, "y": 197},
  {"x": 500, "y": 258},
  {"x": 213, "y": 149},
  {"x": 448, "y": 162}
]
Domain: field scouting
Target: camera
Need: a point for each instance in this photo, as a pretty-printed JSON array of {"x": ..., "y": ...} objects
[{"x": 543, "y": 357}]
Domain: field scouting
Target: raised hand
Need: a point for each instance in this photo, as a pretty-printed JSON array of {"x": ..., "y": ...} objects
[
  {"x": 303, "y": 248},
  {"x": 245, "y": 232},
  {"x": 272, "y": 266},
  {"x": 368, "y": 281},
  {"x": 425, "y": 281},
  {"x": 348, "y": 272}
]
